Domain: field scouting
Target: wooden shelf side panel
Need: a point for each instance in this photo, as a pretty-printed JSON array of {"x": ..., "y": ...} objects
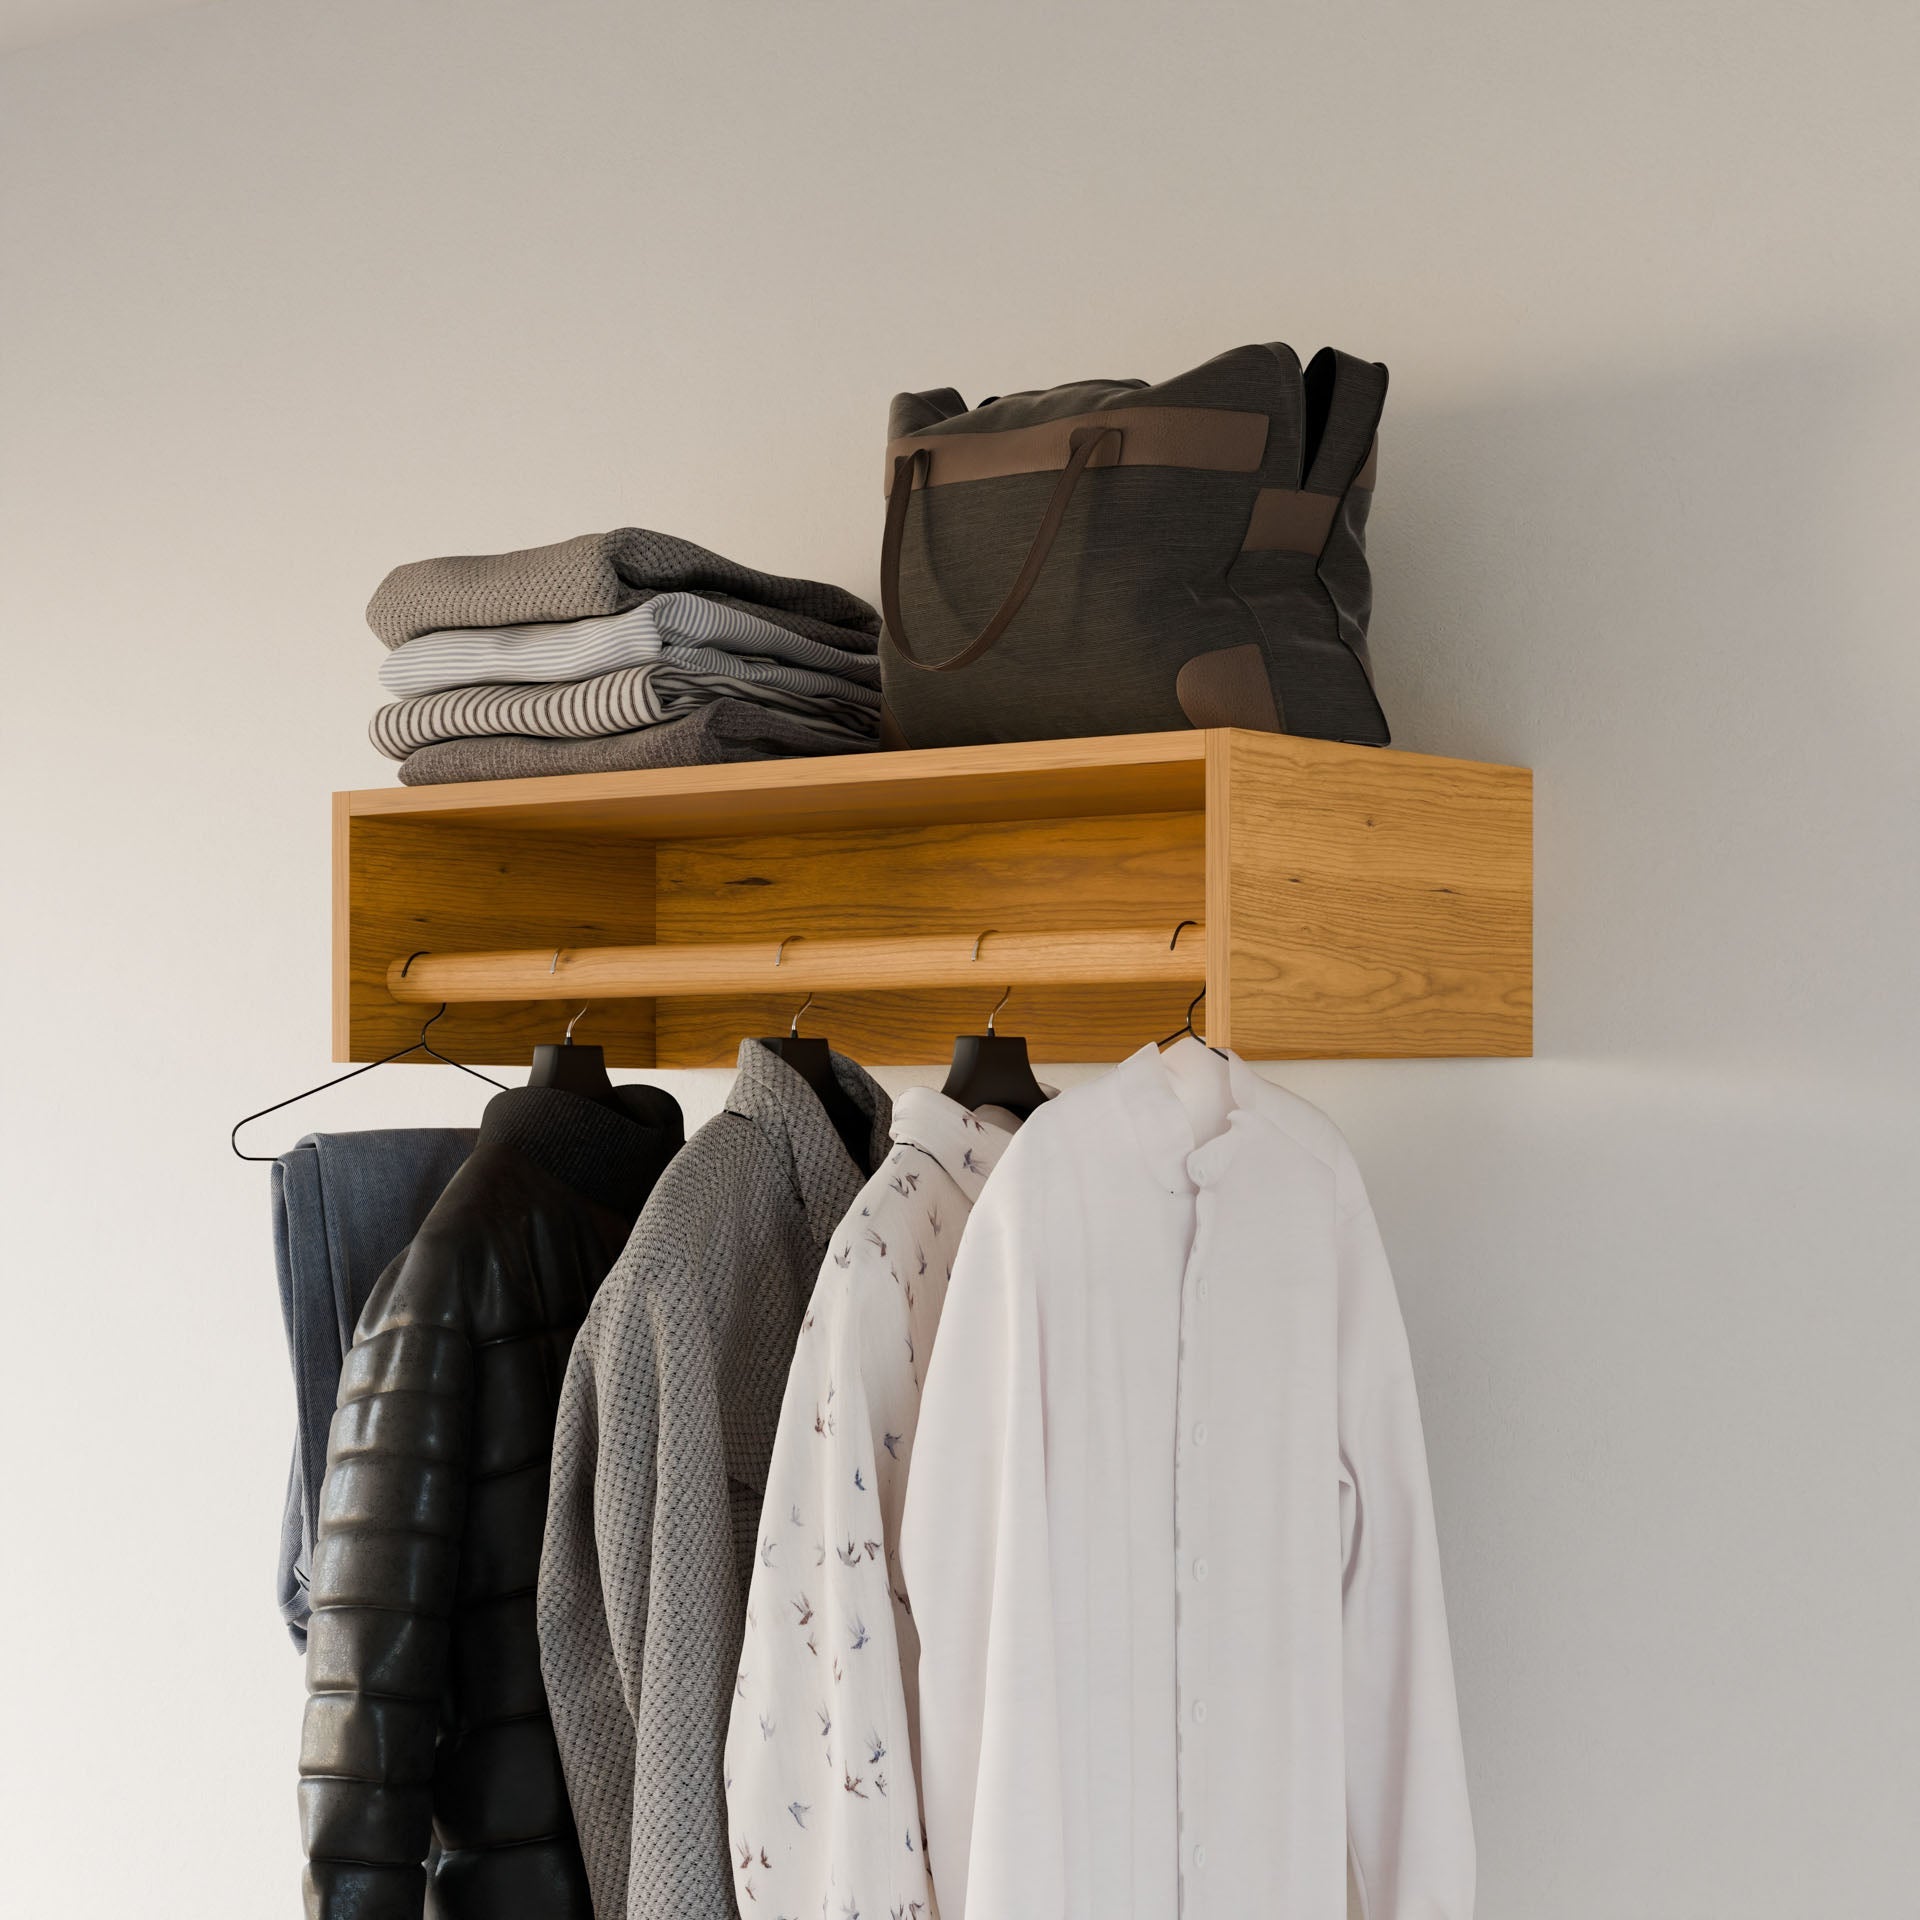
[{"x": 1367, "y": 905}]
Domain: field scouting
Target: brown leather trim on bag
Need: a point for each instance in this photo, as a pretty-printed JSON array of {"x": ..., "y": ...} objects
[
  {"x": 1087, "y": 442},
  {"x": 1228, "y": 688},
  {"x": 1216, "y": 438},
  {"x": 1285, "y": 520}
]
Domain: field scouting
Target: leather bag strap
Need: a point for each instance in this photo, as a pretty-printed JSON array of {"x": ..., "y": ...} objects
[{"x": 906, "y": 469}]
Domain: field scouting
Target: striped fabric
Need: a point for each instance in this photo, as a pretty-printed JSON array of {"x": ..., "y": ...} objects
[
  {"x": 722, "y": 731},
  {"x": 639, "y": 696},
  {"x": 658, "y": 629}
]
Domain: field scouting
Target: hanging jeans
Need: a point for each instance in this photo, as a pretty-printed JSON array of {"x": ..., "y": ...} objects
[{"x": 344, "y": 1205}]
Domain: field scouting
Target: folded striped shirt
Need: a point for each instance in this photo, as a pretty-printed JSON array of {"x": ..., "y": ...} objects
[
  {"x": 580, "y": 649},
  {"x": 641, "y": 696},
  {"x": 726, "y": 730}
]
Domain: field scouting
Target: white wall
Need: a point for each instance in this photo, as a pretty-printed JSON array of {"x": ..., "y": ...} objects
[{"x": 293, "y": 293}]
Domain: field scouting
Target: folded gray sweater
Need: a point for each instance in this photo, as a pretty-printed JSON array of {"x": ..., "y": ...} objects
[
  {"x": 725, "y": 731},
  {"x": 596, "y": 573}
]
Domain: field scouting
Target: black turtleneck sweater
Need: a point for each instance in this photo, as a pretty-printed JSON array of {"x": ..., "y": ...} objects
[{"x": 426, "y": 1718}]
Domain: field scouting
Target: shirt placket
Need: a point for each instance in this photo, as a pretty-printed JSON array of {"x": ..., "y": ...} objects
[{"x": 1192, "y": 1622}]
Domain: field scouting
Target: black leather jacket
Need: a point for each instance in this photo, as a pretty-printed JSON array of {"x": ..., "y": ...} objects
[{"x": 426, "y": 1718}]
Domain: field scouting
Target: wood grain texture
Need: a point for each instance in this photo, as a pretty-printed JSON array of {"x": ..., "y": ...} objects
[
  {"x": 1017, "y": 875},
  {"x": 1112, "y": 956},
  {"x": 1368, "y": 905},
  {"x": 1356, "y": 903},
  {"x": 342, "y": 932},
  {"x": 1020, "y": 876},
  {"x": 1213, "y": 1019},
  {"x": 452, "y": 887},
  {"x": 1048, "y": 779}
]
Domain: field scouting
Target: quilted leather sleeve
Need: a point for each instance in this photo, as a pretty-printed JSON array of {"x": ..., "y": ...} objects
[{"x": 384, "y": 1568}]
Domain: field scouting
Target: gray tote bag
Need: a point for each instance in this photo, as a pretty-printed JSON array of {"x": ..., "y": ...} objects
[{"x": 1114, "y": 557}]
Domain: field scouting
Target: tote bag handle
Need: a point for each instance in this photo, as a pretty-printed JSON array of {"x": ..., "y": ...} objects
[{"x": 1084, "y": 443}]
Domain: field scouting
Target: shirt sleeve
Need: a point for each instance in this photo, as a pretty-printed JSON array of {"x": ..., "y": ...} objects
[
  {"x": 821, "y": 1804},
  {"x": 640, "y": 1601},
  {"x": 384, "y": 1567},
  {"x": 776, "y": 1777},
  {"x": 678, "y": 1646},
  {"x": 1410, "y": 1833},
  {"x": 975, "y": 1551},
  {"x": 586, "y": 1691}
]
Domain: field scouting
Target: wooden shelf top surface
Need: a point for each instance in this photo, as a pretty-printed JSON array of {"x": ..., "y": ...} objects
[{"x": 1041, "y": 779}]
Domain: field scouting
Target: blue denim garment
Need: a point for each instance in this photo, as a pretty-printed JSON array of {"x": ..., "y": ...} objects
[{"x": 345, "y": 1205}]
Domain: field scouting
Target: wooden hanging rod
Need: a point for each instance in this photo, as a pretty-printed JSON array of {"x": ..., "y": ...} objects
[{"x": 1111, "y": 956}]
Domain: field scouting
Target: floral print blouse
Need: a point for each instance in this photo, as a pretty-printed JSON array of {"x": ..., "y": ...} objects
[{"x": 823, "y": 1805}]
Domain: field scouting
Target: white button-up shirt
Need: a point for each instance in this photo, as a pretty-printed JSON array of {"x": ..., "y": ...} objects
[
  {"x": 822, "y": 1804},
  {"x": 1169, "y": 1532}
]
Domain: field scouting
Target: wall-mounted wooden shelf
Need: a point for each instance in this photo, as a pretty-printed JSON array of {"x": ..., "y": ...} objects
[{"x": 1347, "y": 902}]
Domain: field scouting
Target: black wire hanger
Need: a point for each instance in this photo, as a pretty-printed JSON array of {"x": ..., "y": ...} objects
[
  {"x": 422, "y": 1045},
  {"x": 1180, "y": 1032}
]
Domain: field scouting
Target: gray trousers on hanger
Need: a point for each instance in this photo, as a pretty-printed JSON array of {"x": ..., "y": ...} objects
[{"x": 344, "y": 1205}]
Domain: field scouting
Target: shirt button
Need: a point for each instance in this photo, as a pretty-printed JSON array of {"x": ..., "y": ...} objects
[
  {"x": 1200, "y": 1711},
  {"x": 1200, "y": 1572},
  {"x": 1201, "y": 1289},
  {"x": 1200, "y": 1434},
  {"x": 1200, "y": 1857}
]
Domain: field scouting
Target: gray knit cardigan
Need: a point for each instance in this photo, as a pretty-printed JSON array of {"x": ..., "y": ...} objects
[{"x": 665, "y": 1432}]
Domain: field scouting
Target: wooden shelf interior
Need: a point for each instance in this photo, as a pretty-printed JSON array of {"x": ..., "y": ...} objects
[{"x": 1355, "y": 903}]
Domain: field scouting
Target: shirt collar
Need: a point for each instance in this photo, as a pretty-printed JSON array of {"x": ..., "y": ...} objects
[
  {"x": 768, "y": 1093},
  {"x": 965, "y": 1145},
  {"x": 1148, "y": 1091}
]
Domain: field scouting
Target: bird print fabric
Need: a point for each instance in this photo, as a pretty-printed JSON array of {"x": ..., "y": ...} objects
[{"x": 822, "y": 1802}]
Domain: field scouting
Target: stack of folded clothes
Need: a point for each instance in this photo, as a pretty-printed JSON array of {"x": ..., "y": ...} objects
[{"x": 612, "y": 651}]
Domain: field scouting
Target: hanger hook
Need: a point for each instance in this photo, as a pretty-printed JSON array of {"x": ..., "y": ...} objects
[
  {"x": 995, "y": 1014},
  {"x": 567, "y": 1040},
  {"x": 411, "y": 958},
  {"x": 976, "y": 954},
  {"x": 552, "y": 965},
  {"x": 1178, "y": 931},
  {"x": 780, "y": 952},
  {"x": 793, "y": 1031},
  {"x": 1188, "y": 1027}
]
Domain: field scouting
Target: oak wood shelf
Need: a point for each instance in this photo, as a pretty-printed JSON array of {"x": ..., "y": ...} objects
[{"x": 1350, "y": 902}]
